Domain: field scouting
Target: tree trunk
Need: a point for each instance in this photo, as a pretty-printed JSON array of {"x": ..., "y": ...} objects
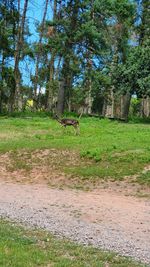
[
  {"x": 125, "y": 105},
  {"x": 145, "y": 107},
  {"x": 17, "y": 95},
  {"x": 104, "y": 108},
  {"x": 2, "y": 80},
  {"x": 66, "y": 71},
  {"x": 50, "y": 94},
  {"x": 35, "y": 104},
  {"x": 61, "y": 98},
  {"x": 89, "y": 99},
  {"x": 110, "y": 110},
  {"x": 63, "y": 84}
]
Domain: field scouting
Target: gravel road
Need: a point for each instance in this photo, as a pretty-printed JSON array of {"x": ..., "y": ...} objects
[{"x": 103, "y": 219}]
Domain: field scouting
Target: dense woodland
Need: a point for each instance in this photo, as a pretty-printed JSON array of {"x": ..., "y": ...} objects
[{"x": 92, "y": 57}]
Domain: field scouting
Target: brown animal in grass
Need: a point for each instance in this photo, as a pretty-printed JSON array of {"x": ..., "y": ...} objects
[{"x": 69, "y": 122}]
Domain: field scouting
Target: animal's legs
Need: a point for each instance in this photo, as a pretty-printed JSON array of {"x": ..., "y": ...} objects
[{"x": 77, "y": 130}]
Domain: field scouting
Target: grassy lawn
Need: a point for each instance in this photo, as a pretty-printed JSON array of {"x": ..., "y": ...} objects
[
  {"x": 105, "y": 149},
  {"x": 22, "y": 248}
]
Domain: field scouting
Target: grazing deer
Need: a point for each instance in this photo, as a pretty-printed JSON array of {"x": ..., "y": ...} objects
[{"x": 69, "y": 122}]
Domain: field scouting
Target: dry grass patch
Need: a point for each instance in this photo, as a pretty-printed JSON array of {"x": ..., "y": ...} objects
[
  {"x": 49, "y": 166},
  {"x": 9, "y": 135},
  {"x": 38, "y": 166}
]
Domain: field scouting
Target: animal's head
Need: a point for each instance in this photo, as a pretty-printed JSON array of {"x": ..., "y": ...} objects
[{"x": 56, "y": 117}]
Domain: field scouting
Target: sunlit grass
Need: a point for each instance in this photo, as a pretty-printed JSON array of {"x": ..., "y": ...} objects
[
  {"x": 114, "y": 149},
  {"x": 32, "y": 248}
]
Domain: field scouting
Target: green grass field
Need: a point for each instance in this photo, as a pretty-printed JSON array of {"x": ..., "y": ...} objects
[
  {"x": 106, "y": 149},
  {"x": 26, "y": 248}
]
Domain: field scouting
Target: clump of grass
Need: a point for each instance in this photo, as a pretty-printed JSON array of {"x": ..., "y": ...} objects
[
  {"x": 91, "y": 154},
  {"x": 22, "y": 248},
  {"x": 144, "y": 178}
]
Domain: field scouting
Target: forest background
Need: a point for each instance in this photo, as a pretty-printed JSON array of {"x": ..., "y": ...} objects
[{"x": 90, "y": 57}]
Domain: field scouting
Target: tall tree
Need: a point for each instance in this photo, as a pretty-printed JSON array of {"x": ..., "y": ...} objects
[
  {"x": 84, "y": 27},
  {"x": 39, "y": 51},
  {"x": 51, "y": 33},
  {"x": 8, "y": 30},
  {"x": 17, "y": 95},
  {"x": 124, "y": 14}
]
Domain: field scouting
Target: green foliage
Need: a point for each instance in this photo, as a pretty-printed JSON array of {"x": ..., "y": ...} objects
[
  {"x": 91, "y": 154},
  {"x": 134, "y": 75},
  {"x": 135, "y": 107}
]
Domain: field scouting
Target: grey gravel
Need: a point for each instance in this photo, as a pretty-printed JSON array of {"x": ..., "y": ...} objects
[{"x": 108, "y": 221}]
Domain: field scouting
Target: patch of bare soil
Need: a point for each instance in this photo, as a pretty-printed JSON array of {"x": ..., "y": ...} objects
[
  {"x": 39, "y": 166},
  {"x": 47, "y": 167}
]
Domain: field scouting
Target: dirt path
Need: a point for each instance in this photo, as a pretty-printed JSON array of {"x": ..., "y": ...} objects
[{"x": 104, "y": 219}]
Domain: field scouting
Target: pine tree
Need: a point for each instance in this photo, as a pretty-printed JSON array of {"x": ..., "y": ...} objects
[
  {"x": 17, "y": 95},
  {"x": 8, "y": 31},
  {"x": 39, "y": 51}
]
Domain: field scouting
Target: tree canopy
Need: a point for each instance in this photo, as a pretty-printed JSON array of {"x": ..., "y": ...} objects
[{"x": 85, "y": 52}]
